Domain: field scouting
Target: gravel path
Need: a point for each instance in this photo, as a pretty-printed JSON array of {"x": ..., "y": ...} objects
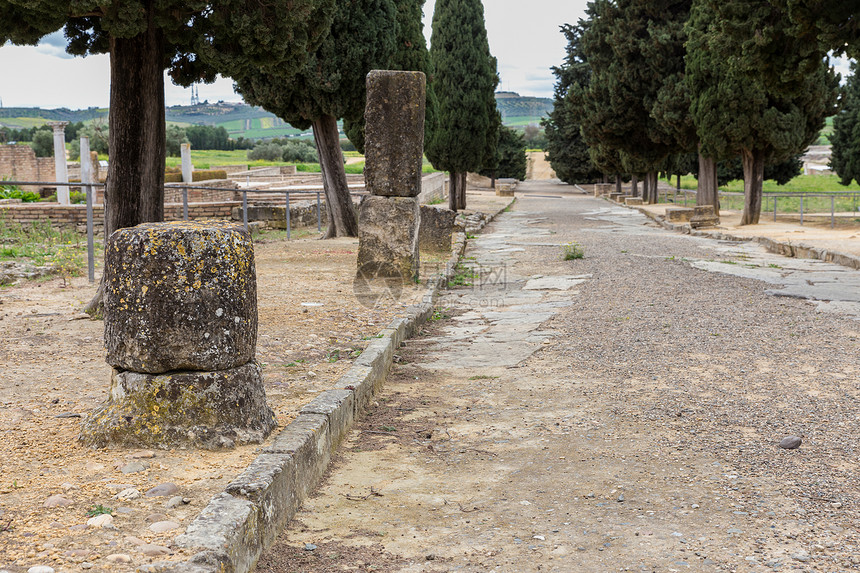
[{"x": 615, "y": 413}]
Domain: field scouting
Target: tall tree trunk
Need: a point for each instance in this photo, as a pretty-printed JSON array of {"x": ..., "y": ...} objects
[
  {"x": 652, "y": 179},
  {"x": 679, "y": 182},
  {"x": 618, "y": 184},
  {"x": 457, "y": 186},
  {"x": 634, "y": 185},
  {"x": 342, "y": 221},
  {"x": 134, "y": 192},
  {"x": 753, "y": 180},
  {"x": 707, "y": 191},
  {"x": 646, "y": 188},
  {"x": 461, "y": 194}
]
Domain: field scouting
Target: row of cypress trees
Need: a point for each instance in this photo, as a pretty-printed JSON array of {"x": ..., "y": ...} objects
[{"x": 648, "y": 81}]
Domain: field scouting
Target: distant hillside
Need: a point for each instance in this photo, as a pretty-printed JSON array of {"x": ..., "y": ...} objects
[
  {"x": 242, "y": 120},
  {"x": 519, "y": 111}
]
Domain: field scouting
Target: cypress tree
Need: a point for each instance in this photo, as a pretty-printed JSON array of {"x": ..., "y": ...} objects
[
  {"x": 834, "y": 23},
  {"x": 465, "y": 82},
  {"x": 329, "y": 87},
  {"x": 845, "y": 140},
  {"x": 566, "y": 149},
  {"x": 765, "y": 100},
  {"x": 411, "y": 55}
]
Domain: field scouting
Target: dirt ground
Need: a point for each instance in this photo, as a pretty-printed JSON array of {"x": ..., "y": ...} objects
[
  {"x": 539, "y": 168},
  {"x": 639, "y": 433},
  {"x": 52, "y": 372}
]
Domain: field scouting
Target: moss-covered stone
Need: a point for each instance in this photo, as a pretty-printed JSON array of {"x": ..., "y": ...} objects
[
  {"x": 211, "y": 410},
  {"x": 180, "y": 296}
]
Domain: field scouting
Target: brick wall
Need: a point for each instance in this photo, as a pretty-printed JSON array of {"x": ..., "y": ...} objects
[
  {"x": 225, "y": 192},
  {"x": 76, "y": 215},
  {"x": 19, "y": 163}
]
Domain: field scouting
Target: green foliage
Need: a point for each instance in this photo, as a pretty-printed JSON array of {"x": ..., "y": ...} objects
[
  {"x": 43, "y": 143},
  {"x": 572, "y": 251},
  {"x": 266, "y": 151},
  {"x": 833, "y": 23},
  {"x": 67, "y": 262},
  {"x": 201, "y": 39},
  {"x": 332, "y": 80},
  {"x": 410, "y": 55},
  {"x": 14, "y": 192},
  {"x": 99, "y": 510},
  {"x": 37, "y": 243},
  {"x": 465, "y": 81},
  {"x": 770, "y": 96},
  {"x": 98, "y": 136},
  {"x": 175, "y": 137},
  {"x": 566, "y": 148},
  {"x": 511, "y": 161},
  {"x": 845, "y": 139},
  {"x": 208, "y": 137}
]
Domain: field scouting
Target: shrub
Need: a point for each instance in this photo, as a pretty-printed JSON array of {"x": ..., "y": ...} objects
[
  {"x": 573, "y": 250},
  {"x": 13, "y": 192},
  {"x": 266, "y": 151}
]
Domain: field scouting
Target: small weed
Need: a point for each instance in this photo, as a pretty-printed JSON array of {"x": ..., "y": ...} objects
[
  {"x": 510, "y": 207},
  {"x": 482, "y": 377},
  {"x": 295, "y": 363},
  {"x": 388, "y": 428},
  {"x": 462, "y": 276},
  {"x": 333, "y": 355},
  {"x": 440, "y": 315},
  {"x": 672, "y": 258},
  {"x": 356, "y": 352},
  {"x": 99, "y": 510},
  {"x": 729, "y": 262},
  {"x": 436, "y": 201},
  {"x": 372, "y": 337},
  {"x": 471, "y": 236},
  {"x": 572, "y": 250},
  {"x": 774, "y": 266}
]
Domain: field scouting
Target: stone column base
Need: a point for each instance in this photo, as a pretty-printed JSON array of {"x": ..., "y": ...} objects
[
  {"x": 210, "y": 410},
  {"x": 388, "y": 238}
]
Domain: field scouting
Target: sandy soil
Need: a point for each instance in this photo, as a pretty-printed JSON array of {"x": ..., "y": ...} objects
[
  {"x": 53, "y": 372},
  {"x": 640, "y": 435}
]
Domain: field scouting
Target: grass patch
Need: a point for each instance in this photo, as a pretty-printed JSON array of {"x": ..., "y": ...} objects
[
  {"x": 41, "y": 244},
  {"x": 462, "y": 276}
]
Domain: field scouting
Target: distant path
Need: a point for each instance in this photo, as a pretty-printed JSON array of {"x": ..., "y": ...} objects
[
  {"x": 615, "y": 413},
  {"x": 538, "y": 168}
]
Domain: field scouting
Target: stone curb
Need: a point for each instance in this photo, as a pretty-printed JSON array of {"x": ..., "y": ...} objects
[
  {"x": 232, "y": 531},
  {"x": 794, "y": 250}
]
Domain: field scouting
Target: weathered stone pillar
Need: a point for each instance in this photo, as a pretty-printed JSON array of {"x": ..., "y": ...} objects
[
  {"x": 187, "y": 166},
  {"x": 181, "y": 334},
  {"x": 61, "y": 172},
  {"x": 389, "y": 220},
  {"x": 86, "y": 161}
]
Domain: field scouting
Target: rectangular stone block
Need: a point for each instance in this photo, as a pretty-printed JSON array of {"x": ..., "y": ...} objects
[
  {"x": 378, "y": 356},
  {"x": 679, "y": 215},
  {"x": 229, "y": 528},
  {"x": 437, "y": 227},
  {"x": 359, "y": 379},
  {"x": 633, "y": 201},
  {"x": 388, "y": 235},
  {"x": 270, "y": 484},
  {"x": 339, "y": 407},
  {"x": 601, "y": 189},
  {"x": 394, "y": 133},
  {"x": 615, "y": 196},
  {"x": 308, "y": 441}
]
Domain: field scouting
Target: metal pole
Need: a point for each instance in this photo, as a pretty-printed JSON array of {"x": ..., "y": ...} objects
[
  {"x": 774, "y": 209},
  {"x": 832, "y": 211},
  {"x": 245, "y": 208},
  {"x": 319, "y": 215},
  {"x": 288, "y": 215},
  {"x": 91, "y": 258},
  {"x": 185, "y": 203},
  {"x": 801, "y": 209}
]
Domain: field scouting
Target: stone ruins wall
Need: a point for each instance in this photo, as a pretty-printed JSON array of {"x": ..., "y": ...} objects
[{"x": 19, "y": 162}]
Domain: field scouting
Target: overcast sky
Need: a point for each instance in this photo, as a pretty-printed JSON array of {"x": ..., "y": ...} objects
[{"x": 524, "y": 36}]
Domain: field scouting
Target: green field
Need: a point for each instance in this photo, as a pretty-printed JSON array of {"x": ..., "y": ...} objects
[
  {"x": 522, "y": 120},
  {"x": 828, "y": 184}
]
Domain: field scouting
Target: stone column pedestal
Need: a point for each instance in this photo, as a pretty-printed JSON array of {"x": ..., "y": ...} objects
[
  {"x": 181, "y": 334},
  {"x": 389, "y": 220}
]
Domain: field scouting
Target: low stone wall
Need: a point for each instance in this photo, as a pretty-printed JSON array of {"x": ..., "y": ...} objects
[
  {"x": 226, "y": 192},
  {"x": 19, "y": 163},
  {"x": 65, "y": 216},
  {"x": 434, "y": 188}
]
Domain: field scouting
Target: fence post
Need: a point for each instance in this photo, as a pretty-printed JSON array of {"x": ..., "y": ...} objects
[
  {"x": 319, "y": 215},
  {"x": 245, "y": 208},
  {"x": 91, "y": 259},
  {"x": 832, "y": 211},
  {"x": 288, "y": 215},
  {"x": 801, "y": 210},
  {"x": 185, "y": 203},
  {"x": 774, "y": 209}
]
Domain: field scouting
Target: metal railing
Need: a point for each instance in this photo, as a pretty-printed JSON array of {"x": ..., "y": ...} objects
[
  {"x": 287, "y": 193},
  {"x": 802, "y": 203}
]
